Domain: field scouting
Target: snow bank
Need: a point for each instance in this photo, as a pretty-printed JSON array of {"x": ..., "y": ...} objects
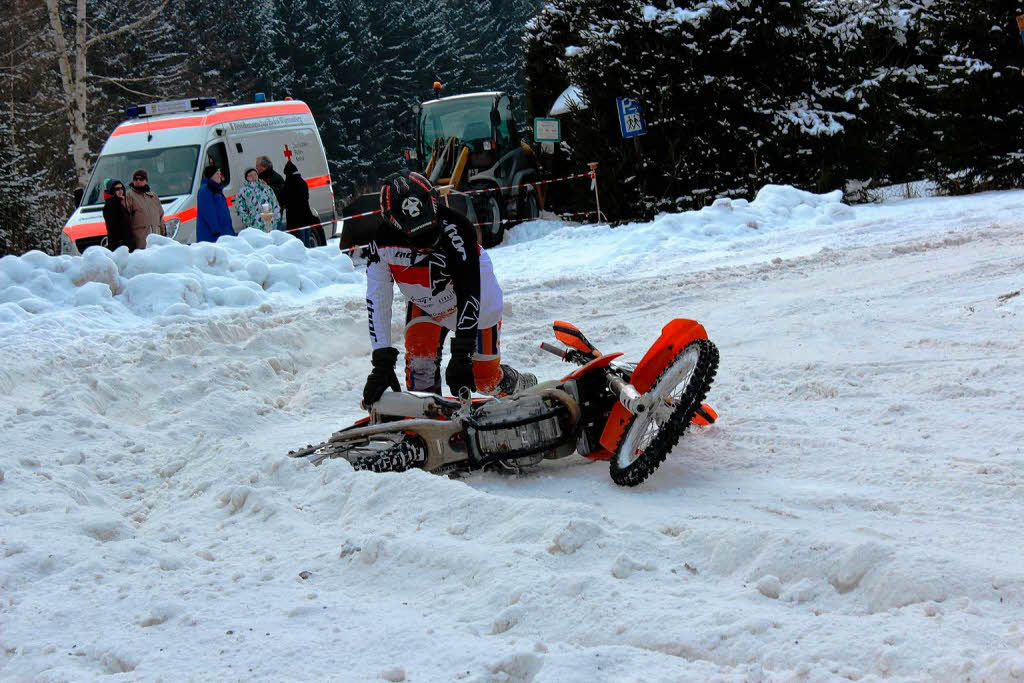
[
  {"x": 168, "y": 278},
  {"x": 629, "y": 249},
  {"x": 775, "y": 208}
]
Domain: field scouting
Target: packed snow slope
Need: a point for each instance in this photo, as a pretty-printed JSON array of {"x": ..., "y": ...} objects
[{"x": 855, "y": 513}]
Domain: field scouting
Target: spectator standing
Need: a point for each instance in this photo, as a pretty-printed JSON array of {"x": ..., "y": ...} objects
[
  {"x": 116, "y": 216},
  {"x": 145, "y": 209},
  {"x": 296, "y": 205},
  {"x": 213, "y": 218},
  {"x": 249, "y": 201},
  {"x": 265, "y": 168}
]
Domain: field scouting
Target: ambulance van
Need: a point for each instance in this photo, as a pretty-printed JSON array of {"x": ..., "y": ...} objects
[{"x": 175, "y": 140}]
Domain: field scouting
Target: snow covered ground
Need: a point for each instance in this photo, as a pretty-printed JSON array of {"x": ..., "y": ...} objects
[{"x": 855, "y": 513}]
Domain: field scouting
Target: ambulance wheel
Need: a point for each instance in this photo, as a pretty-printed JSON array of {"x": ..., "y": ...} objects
[{"x": 316, "y": 238}]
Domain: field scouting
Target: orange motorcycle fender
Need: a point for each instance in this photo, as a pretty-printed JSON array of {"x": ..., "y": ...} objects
[
  {"x": 675, "y": 337},
  {"x": 599, "y": 362}
]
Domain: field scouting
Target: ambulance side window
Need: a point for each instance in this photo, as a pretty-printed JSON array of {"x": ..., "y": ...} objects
[{"x": 217, "y": 154}]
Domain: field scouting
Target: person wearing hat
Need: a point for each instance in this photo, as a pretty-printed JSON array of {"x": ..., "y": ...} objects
[
  {"x": 145, "y": 209},
  {"x": 255, "y": 201},
  {"x": 115, "y": 215},
  {"x": 298, "y": 215},
  {"x": 213, "y": 218}
]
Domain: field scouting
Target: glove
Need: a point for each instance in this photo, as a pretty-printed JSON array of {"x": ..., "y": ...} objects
[
  {"x": 459, "y": 373},
  {"x": 382, "y": 376}
]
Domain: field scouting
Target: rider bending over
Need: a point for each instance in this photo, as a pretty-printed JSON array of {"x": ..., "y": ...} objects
[{"x": 432, "y": 253}]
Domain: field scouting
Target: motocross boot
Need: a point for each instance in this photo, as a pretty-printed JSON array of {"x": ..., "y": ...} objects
[{"x": 513, "y": 381}]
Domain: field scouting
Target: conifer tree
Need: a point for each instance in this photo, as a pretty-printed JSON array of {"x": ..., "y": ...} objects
[
  {"x": 883, "y": 79},
  {"x": 978, "y": 141},
  {"x": 510, "y": 51},
  {"x": 306, "y": 48},
  {"x": 736, "y": 95},
  {"x": 228, "y": 48},
  {"x": 553, "y": 32},
  {"x": 351, "y": 65},
  {"x": 392, "y": 26}
]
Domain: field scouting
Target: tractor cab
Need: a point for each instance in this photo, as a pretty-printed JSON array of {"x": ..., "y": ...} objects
[{"x": 471, "y": 142}]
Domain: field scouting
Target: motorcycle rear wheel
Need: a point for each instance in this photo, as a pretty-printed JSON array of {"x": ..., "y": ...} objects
[
  {"x": 679, "y": 390},
  {"x": 384, "y": 453}
]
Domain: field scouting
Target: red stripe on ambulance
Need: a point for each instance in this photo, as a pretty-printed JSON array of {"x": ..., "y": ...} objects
[
  {"x": 146, "y": 126},
  {"x": 83, "y": 230}
]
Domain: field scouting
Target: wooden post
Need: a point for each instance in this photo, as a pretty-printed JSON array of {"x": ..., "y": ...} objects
[
  {"x": 597, "y": 197},
  {"x": 444, "y": 190}
]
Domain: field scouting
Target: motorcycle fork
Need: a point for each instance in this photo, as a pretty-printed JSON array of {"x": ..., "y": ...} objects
[{"x": 631, "y": 399}]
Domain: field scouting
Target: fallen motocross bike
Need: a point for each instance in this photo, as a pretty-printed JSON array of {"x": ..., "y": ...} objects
[{"x": 629, "y": 414}]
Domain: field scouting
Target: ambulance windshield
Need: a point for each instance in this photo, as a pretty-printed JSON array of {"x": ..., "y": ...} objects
[{"x": 171, "y": 171}]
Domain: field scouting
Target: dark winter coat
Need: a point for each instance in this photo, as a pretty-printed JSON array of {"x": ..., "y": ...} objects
[
  {"x": 119, "y": 223},
  {"x": 213, "y": 218},
  {"x": 276, "y": 182},
  {"x": 296, "y": 199}
]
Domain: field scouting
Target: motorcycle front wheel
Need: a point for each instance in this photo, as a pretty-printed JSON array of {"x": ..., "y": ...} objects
[{"x": 679, "y": 391}]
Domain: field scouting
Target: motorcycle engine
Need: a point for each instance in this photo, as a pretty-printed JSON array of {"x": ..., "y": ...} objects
[{"x": 528, "y": 428}]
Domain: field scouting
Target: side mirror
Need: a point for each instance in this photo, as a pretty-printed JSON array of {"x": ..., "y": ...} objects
[{"x": 79, "y": 193}]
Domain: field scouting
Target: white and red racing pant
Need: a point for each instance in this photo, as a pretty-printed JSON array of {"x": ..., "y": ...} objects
[{"x": 424, "y": 340}]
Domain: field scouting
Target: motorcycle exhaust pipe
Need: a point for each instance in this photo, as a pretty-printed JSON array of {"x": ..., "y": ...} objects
[{"x": 411, "y": 404}]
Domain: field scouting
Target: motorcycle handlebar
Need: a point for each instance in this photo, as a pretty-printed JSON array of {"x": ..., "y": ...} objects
[
  {"x": 568, "y": 355},
  {"x": 551, "y": 348}
]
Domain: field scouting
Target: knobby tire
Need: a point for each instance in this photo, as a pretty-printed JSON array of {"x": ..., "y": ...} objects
[
  {"x": 407, "y": 454},
  {"x": 668, "y": 436}
]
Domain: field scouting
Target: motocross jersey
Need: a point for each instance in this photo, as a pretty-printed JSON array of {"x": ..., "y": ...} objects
[{"x": 451, "y": 279}]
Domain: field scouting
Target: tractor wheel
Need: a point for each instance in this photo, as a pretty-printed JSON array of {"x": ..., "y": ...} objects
[
  {"x": 489, "y": 213},
  {"x": 529, "y": 206}
]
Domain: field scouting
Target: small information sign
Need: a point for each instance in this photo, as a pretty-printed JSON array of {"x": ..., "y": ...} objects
[
  {"x": 631, "y": 118},
  {"x": 547, "y": 130}
]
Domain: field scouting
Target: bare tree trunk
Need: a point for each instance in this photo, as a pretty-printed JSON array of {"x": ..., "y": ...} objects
[{"x": 73, "y": 77}]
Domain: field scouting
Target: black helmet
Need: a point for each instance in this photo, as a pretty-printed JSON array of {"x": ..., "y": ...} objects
[{"x": 409, "y": 202}]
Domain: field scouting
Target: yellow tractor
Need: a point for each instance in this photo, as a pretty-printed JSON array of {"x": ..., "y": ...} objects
[{"x": 471, "y": 143}]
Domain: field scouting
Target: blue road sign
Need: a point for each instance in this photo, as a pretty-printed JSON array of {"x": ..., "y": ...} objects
[{"x": 631, "y": 118}]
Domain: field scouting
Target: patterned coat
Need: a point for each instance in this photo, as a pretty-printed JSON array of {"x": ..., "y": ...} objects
[{"x": 249, "y": 201}]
